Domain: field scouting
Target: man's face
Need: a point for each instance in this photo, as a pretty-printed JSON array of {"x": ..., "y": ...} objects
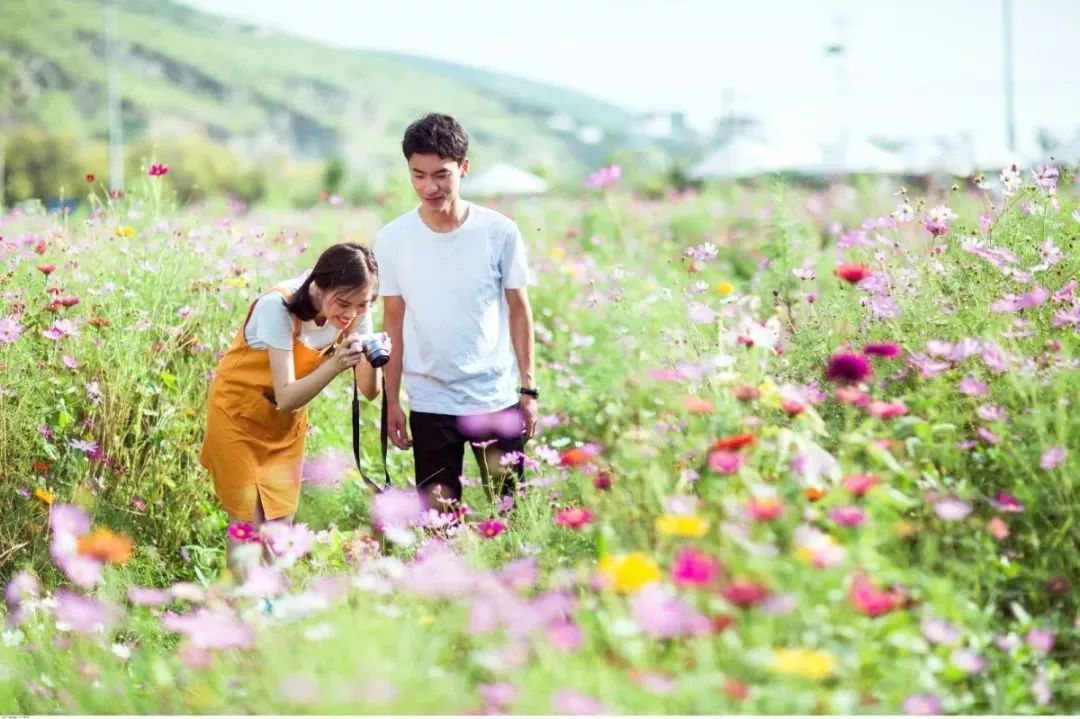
[{"x": 436, "y": 180}]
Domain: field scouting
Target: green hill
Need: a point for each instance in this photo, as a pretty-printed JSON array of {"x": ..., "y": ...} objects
[{"x": 262, "y": 93}]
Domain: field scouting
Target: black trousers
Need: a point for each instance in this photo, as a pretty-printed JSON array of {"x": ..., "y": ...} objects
[{"x": 439, "y": 449}]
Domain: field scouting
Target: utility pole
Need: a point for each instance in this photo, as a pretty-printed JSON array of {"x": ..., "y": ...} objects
[
  {"x": 116, "y": 134},
  {"x": 1010, "y": 117}
]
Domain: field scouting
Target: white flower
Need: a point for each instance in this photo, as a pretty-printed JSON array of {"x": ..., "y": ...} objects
[{"x": 122, "y": 650}]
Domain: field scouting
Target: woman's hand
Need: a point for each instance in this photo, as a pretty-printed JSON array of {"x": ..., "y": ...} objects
[{"x": 345, "y": 357}]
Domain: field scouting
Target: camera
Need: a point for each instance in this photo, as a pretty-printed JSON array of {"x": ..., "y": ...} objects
[{"x": 372, "y": 347}]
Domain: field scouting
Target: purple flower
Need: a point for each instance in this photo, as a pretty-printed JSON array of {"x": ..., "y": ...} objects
[
  {"x": 262, "y": 581},
  {"x": 69, "y": 519},
  {"x": 84, "y": 615},
  {"x": 663, "y": 616},
  {"x": 439, "y": 573},
  {"x": 288, "y": 542},
  {"x": 972, "y": 387},
  {"x": 938, "y": 631},
  {"x": 968, "y": 660},
  {"x": 604, "y": 177},
  {"x": 565, "y": 636},
  {"x": 498, "y": 694},
  {"x": 10, "y": 330},
  {"x": 952, "y": 509},
  {"x": 922, "y": 704},
  {"x": 1052, "y": 457},
  {"x": 849, "y": 516},
  {"x": 59, "y": 330},
  {"x": 991, "y": 413},
  {"x": 568, "y": 701},
  {"x": 147, "y": 596},
  {"x": 847, "y": 368},
  {"x": 1041, "y": 640},
  {"x": 326, "y": 470},
  {"x": 211, "y": 629},
  {"x": 396, "y": 509}
]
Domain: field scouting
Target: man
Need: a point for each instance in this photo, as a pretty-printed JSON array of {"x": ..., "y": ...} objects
[{"x": 453, "y": 279}]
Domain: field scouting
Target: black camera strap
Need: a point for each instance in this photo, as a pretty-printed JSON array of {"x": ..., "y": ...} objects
[{"x": 383, "y": 435}]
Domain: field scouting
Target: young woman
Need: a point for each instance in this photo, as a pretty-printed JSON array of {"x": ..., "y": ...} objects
[{"x": 293, "y": 342}]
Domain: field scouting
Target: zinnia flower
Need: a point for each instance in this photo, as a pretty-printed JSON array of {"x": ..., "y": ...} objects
[
  {"x": 882, "y": 349},
  {"x": 627, "y": 573},
  {"x": 847, "y": 368},
  {"x": 852, "y": 273},
  {"x": 574, "y": 518}
]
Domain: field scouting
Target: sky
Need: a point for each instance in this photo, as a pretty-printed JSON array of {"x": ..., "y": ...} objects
[{"x": 910, "y": 69}]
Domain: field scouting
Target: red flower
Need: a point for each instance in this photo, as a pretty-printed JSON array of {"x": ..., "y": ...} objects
[
  {"x": 602, "y": 481},
  {"x": 852, "y": 273},
  {"x": 746, "y": 393},
  {"x": 734, "y": 442},
  {"x": 870, "y": 600},
  {"x": 860, "y": 484},
  {"x": 89, "y": 177},
  {"x": 158, "y": 170},
  {"x": 764, "y": 509},
  {"x": 745, "y": 593},
  {"x": 736, "y": 690},
  {"x": 46, "y": 269}
]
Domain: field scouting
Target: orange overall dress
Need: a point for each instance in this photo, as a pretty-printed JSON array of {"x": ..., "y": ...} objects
[{"x": 252, "y": 448}]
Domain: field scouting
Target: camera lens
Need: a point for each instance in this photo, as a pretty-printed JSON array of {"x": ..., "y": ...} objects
[{"x": 376, "y": 353}]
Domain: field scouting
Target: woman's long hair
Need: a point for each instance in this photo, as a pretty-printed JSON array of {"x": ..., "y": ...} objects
[{"x": 347, "y": 264}]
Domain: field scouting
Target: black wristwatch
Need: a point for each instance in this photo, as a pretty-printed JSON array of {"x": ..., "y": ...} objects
[{"x": 531, "y": 391}]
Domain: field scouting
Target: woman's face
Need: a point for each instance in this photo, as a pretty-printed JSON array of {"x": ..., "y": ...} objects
[{"x": 342, "y": 305}]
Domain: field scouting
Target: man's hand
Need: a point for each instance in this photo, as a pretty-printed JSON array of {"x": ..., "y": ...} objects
[
  {"x": 529, "y": 414},
  {"x": 397, "y": 428}
]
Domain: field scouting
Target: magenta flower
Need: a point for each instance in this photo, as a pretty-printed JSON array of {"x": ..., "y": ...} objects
[
  {"x": 887, "y": 350},
  {"x": 157, "y": 170},
  {"x": 490, "y": 528},
  {"x": 1052, "y": 457},
  {"x": 1005, "y": 502},
  {"x": 59, "y": 330},
  {"x": 848, "y": 516},
  {"x": 242, "y": 532},
  {"x": 847, "y": 368},
  {"x": 694, "y": 568}
]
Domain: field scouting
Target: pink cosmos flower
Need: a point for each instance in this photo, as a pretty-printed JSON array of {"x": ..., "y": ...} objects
[
  {"x": 1052, "y": 457},
  {"x": 847, "y": 516},
  {"x": 574, "y": 518},
  {"x": 725, "y": 462}
]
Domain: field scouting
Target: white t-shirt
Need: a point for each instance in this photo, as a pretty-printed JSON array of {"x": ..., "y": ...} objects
[
  {"x": 271, "y": 325},
  {"x": 458, "y": 358}
]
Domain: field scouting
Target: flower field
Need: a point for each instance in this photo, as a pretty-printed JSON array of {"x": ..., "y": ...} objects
[{"x": 802, "y": 450}]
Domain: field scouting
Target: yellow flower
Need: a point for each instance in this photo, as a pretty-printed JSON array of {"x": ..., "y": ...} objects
[
  {"x": 425, "y": 620},
  {"x": 629, "y": 572},
  {"x": 903, "y": 529},
  {"x": 558, "y": 252},
  {"x": 236, "y": 282},
  {"x": 806, "y": 663},
  {"x": 725, "y": 288},
  {"x": 682, "y": 525},
  {"x": 44, "y": 495},
  {"x": 125, "y": 230}
]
